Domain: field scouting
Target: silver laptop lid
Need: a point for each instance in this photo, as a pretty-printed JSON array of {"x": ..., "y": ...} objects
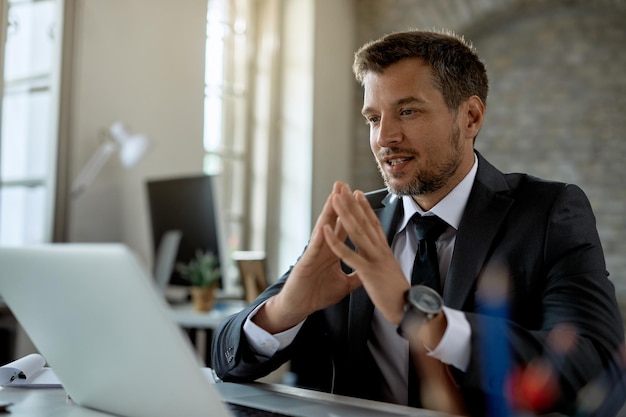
[{"x": 92, "y": 311}]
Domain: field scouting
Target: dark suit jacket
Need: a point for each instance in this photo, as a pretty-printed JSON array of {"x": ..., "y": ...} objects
[{"x": 545, "y": 234}]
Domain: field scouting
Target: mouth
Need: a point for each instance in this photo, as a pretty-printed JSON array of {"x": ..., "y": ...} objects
[
  {"x": 397, "y": 161},
  {"x": 395, "y": 166}
]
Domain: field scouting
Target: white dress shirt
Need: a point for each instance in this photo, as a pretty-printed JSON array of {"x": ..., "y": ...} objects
[{"x": 390, "y": 351}]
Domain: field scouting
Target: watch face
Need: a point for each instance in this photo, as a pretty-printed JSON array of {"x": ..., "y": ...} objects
[{"x": 425, "y": 299}]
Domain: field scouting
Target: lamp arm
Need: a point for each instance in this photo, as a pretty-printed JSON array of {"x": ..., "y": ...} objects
[{"x": 93, "y": 167}]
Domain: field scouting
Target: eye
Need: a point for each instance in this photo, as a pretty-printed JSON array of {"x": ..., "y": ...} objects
[
  {"x": 372, "y": 120},
  {"x": 407, "y": 112}
]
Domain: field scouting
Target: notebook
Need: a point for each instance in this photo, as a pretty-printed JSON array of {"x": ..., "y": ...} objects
[{"x": 95, "y": 315}]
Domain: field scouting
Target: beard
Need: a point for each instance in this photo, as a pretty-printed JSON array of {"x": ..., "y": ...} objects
[{"x": 430, "y": 179}]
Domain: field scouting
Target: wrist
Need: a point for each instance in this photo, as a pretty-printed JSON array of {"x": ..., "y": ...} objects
[
  {"x": 274, "y": 318},
  {"x": 432, "y": 332},
  {"x": 422, "y": 305}
]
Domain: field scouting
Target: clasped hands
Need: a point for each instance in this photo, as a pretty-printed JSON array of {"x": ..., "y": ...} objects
[{"x": 317, "y": 280}]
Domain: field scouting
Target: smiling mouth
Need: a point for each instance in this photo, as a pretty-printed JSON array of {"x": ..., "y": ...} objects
[{"x": 398, "y": 161}]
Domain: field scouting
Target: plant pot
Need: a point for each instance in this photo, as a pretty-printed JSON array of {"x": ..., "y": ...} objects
[{"x": 203, "y": 298}]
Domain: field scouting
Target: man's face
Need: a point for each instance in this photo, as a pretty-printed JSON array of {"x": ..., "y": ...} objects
[{"x": 418, "y": 142}]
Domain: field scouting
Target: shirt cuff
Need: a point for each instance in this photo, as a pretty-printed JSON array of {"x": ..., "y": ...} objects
[
  {"x": 454, "y": 347},
  {"x": 264, "y": 343}
]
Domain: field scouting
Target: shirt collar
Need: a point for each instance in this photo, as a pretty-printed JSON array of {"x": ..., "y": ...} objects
[{"x": 450, "y": 209}]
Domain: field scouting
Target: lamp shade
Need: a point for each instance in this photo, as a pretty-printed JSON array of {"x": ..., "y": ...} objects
[{"x": 132, "y": 147}]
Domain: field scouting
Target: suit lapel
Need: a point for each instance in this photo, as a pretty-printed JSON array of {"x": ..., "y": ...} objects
[{"x": 487, "y": 206}]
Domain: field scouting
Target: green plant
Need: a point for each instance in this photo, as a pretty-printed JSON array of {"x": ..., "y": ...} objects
[{"x": 202, "y": 271}]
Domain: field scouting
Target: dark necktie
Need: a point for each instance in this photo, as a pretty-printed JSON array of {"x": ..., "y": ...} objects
[
  {"x": 425, "y": 271},
  {"x": 426, "y": 266}
]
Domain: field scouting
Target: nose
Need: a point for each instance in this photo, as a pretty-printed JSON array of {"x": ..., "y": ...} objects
[{"x": 388, "y": 132}]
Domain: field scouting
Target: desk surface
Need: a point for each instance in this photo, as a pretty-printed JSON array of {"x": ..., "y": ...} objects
[
  {"x": 53, "y": 402},
  {"x": 186, "y": 316},
  {"x": 43, "y": 402}
]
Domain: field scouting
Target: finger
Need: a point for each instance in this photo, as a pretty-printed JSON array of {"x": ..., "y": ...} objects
[
  {"x": 340, "y": 231},
  {"x": 343, "y": 187},
  {"x": 360, "y": 222},
  {"x": 341, "y": 250},
  {"x": 316, "y": 242},
  {"x": 342, "y": 201},
  {"x": 328, "y": 214},
  {"x": 348, "y": 209}
]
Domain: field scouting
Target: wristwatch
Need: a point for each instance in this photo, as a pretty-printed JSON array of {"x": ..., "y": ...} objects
[{"x": 422, "y": 304}]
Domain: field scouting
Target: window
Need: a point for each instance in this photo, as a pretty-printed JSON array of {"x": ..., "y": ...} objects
[
  {"x": 29, "y": 120},
  {"x": 257, "y": 124},
  {"x": 225, "y": 107}
]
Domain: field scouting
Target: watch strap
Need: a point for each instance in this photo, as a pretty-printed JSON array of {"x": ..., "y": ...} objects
[
  {"x": 411, "y": 319},
  {"x": 414, "y": 317}
]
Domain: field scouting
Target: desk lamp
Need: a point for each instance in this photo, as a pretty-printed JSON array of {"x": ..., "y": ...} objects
[{"x": 131, "y": 148}]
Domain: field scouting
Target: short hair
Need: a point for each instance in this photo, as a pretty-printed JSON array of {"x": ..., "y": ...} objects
[{"x": 458, "y": 72}]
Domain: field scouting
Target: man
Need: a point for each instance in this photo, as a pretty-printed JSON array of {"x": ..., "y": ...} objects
[{"x": 527, "y": 300}]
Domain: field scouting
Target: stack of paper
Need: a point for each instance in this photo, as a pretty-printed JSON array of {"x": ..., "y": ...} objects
[{"x": 28, "y": 372}]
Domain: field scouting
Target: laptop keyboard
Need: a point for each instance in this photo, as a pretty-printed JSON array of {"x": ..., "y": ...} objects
[{"x": 243, "y": 411}]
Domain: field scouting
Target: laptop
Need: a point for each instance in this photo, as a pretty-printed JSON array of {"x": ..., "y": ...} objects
[{"x": 94, "y": 312}]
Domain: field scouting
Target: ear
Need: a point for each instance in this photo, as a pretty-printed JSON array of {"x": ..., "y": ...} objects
[{"x": 473, "y": 113}]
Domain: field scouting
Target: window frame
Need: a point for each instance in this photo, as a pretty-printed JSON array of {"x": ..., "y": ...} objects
[{"x": 23, "y": 215}]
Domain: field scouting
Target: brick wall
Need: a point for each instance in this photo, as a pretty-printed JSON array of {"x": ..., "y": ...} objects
[{"x": 557, "y": 99}]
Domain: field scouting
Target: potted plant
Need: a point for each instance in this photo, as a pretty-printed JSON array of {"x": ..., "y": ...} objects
[{"x": 203, "y": 273}]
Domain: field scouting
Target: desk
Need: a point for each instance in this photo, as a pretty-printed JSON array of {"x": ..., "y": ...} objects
[
  {"x": 53, "y": 402},
  {"x": 187, "y": 317},
  {"x": 44, "y": 402},
  {"x": 201, "y": 325}
]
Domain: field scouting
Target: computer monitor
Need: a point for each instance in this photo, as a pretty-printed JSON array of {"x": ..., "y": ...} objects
[{"x": 190, "y": 205}]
